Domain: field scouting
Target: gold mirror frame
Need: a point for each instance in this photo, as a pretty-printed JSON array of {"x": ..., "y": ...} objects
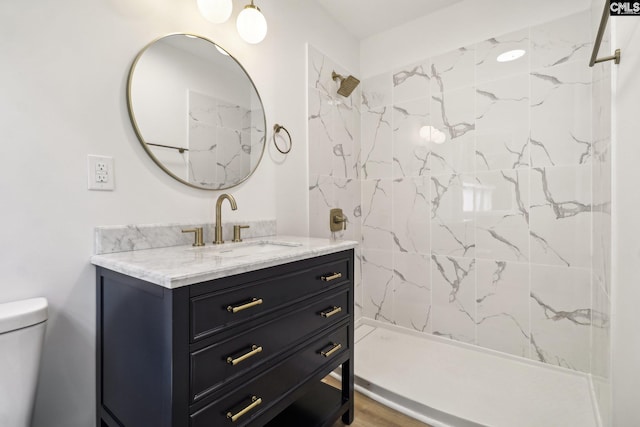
[{"x": 144, "y": 144}]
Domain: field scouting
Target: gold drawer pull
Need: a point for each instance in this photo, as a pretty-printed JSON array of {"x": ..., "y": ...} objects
[
  {"x": 331, "y": 312},
  {"x": 330, "y": 277},
  {"x": 254, "y": 350},
  {"x": 335, "y": 348},
  {"x": 253, "y": 303},
  {"x": 256, "y": 401}
]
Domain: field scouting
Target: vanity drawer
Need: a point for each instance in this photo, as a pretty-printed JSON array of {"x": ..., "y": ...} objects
[
  {"x": 259, "y": 394},
  {"x": 216, "y": 365},
  {"x": 239, "y": 303}
]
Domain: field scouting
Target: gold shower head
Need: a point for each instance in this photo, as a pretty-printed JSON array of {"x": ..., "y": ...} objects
[{"x": 347, "y": 84}]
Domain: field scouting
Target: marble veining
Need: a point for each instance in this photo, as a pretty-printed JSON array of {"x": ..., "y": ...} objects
[
  {"x": 502, "y": 304},
  {"x": 178, "y": 266},
  {"x": 410, "y": 215},
  {"x": 459, "y": 274},
  {"x": 455, "y": 130},
  {"x": 502, "y": 215},
  {"x": 376, "y": 91},
  {"x": 581, "y": 316},
  {"x": 486, "y": 66},
  {"x": 212, "y": 120},
  {"x": 560, "y": 304},
  {"x": 452, "y": 218},
  {"x": 561, "y": 211},
  {"x": 561, "y": 41},
  {"x": 337, "y": 159},
  {"x": 453, "y": 113},
  {"x": 410, "y": 154},
  {"x": 412, "y": 291},
  {"x": 453, "y": 299},
  {"x": 401, "y": 76},
  {"x": 346, "y": 149},
  {"x": 321, "y": 139},
  {"x": 453, "y": 70},
  {"x": 499, "y": 235},
  {"x": 124, "y": 238},
  {"x": 560, "y": 115},
  {"x": 411, "y": 82},
  {"x": 376, "y": 143},
  {"x": 377, "y": 215},
  {"x": 377, "y": 274},
  {"x": 502, "y": 124}
]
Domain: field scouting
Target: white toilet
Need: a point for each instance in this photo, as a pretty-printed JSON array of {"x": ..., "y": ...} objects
[{"x": 22, "y": 326}]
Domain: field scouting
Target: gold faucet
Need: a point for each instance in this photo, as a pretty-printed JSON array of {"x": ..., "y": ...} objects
[{"x": 232, "y": 202}]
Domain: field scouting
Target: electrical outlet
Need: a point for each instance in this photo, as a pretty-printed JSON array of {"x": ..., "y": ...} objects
[
  {"x": 101, "y": 166},
  {"x": 101, "y": 173}
]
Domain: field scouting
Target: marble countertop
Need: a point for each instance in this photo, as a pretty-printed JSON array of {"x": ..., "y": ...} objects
[{"x": 176, "y": 266}]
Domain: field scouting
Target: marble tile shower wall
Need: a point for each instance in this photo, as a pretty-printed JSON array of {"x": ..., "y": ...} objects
[
  {"x": 477, "y": 198},
  {"x": 334, "y": 155}
]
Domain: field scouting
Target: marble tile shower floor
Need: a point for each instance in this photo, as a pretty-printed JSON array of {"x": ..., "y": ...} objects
[{"x": 449, "y": 385}]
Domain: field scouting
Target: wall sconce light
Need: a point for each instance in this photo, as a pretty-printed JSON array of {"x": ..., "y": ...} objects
[
  {"x": 251, "y": 23},
  {"x": 216, "y": 11}
]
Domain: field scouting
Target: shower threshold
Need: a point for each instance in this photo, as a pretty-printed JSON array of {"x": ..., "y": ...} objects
[{"x": 448, "y": 384}]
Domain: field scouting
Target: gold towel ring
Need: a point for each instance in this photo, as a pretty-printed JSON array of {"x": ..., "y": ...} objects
[{"x": 276, "y": 129}]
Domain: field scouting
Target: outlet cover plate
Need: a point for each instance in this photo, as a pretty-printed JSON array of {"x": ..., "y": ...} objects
[{"x": 101, "y": 174}]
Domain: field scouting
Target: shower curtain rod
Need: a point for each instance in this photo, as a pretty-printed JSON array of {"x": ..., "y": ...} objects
[{"x": 596, "y": 46}]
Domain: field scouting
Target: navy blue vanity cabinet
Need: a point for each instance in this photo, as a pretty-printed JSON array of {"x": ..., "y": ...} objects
[{"x": 245, "y": 350}]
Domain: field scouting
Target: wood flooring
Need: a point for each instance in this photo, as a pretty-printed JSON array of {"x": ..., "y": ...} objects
[{"x": 370, "y": 413}]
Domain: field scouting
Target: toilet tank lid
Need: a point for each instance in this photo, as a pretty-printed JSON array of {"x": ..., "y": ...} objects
[{"x": 21, "y": 314}]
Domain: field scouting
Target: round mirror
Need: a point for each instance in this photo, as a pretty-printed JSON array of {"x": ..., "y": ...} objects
[{"x": 196, "y": 112}]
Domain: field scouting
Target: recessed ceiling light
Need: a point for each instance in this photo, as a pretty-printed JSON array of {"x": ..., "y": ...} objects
[{"x": 510, "y": 55}]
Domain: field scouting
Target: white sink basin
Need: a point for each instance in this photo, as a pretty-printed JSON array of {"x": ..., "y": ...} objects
[{"x": 237, "y": 250}]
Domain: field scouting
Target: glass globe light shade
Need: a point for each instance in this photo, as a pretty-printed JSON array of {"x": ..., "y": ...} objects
[
  {"x": 251, "y": 24},
  {"x": 216, "y": 11}
]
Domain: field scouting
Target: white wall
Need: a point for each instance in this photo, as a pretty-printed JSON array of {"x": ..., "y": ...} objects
[
  {"x": 62, "y": 86},
  {"x": 461, "y": 24},
  {"x": 625, "y": 292}
]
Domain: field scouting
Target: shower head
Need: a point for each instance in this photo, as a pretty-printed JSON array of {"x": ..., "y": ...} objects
[{"x": 347, "y": 84}]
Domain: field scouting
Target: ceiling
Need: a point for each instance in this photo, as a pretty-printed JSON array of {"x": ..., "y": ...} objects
[{"x": 364, "y": 18}]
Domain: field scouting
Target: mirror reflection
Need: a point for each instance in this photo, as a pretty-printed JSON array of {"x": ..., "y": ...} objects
[{"x": 196, "y": 112}]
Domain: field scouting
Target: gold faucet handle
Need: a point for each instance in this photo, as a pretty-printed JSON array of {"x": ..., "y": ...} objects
[
  {"x": 341, "y": 219},
  {"x": 198, "y": 235},
  {"x": 236, "y": 232},
  {"x": 337, "y": 220}
]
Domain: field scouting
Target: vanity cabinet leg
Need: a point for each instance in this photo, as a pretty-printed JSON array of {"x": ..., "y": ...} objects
[{"x": 347, "y": 390}]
